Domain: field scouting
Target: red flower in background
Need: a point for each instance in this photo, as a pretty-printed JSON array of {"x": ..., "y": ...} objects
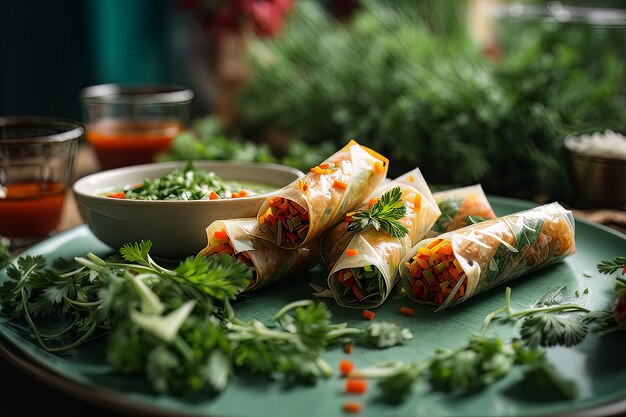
[{"x": 266, "y": 17}]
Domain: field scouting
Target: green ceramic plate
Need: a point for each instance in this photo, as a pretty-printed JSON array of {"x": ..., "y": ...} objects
[{"x": 598, "y": 364}]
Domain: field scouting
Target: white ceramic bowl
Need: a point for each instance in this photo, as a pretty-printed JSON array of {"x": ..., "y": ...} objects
[{"x": 176, "y": 228}]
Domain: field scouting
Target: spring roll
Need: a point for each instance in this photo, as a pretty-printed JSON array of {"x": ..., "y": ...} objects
[
  {"x": 269, "y": 263},
  {"x": 461, "y": 207},
  {"x": 363, "y": 265},
  {"x": 311, "y": 205},
  {"x": 452, "y": 267}
]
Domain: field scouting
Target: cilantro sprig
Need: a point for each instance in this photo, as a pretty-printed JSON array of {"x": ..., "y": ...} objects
[
  {"x": 383, "y": 215},
  {"x": 609, "y": 266},
  {"x": 176, "y": 325}
]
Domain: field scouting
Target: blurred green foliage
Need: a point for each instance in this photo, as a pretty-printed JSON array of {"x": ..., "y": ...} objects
[
  {"x": 207, "y": 140},
  {"x": 432, "y": 100}
]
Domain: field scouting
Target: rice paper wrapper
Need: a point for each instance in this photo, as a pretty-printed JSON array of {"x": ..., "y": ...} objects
[
  {"x": 360, "y": 169},
  {"x": 378, "y": 249},
  {"x": 461, "y": 207},
  {"x": 271, "y": 263},
  {"x": 494, "y": 252}
]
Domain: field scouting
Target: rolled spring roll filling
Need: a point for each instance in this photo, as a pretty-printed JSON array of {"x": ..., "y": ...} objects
[
  {"x": 435, "y": 273},
  {"x": 224, "y": 245},
  {"x": 360, "y": 283},
  {"x": 288, "y": 220}
]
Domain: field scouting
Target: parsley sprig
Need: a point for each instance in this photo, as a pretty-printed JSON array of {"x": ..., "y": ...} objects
[
  {"x": 610, "y": 266},
  {"x": 383, "y": 215},
  {"x": 176, "y": 326},
  {"x": 482, "y": 360}
]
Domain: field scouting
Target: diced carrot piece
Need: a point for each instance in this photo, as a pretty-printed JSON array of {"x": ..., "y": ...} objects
[
  {"x": 234, "y": 195},
  {"x": 116, "y": 195},
  {"x": 357, "y": 292},
  {"x": 422, "y": 263},
  {"x": 407, "y": 311},
  {"x": 320, "y": 171},
  {"x": 445, "y": 249},
  {"x": 345, "y": 366},
  {"x": 414, "y": 270},
  {"x": 352, "y": 407},
  {"x": 352, "y": 252},
  {"x": 224, "y": 248},
  {"x": 220, "y": 234},
  {"x": 340, "y": 185},
  {"x": 372, "y": 202},
  {"x": 347, "y": 348},
  {"x": 356, "y": 386},
  {"x": 325, "y": 165},
  {"x": 461, "y": 290},
  {"x": 417, "y": 203},
  {"x": 243, "y": 193},
  {"x": 417, "y": 290},
  {"x": 439, "y": 245},
  {"x": 214, "y": 196},
  {"x": 433, "y": 243},
  {"x": 368, "y": 314},
  {"x": 454, "y": 273}
]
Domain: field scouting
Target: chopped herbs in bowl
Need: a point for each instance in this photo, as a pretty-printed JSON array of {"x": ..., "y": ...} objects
[
  {"x": 190, "y": 183},
  {"x": 172, "y": 203}
]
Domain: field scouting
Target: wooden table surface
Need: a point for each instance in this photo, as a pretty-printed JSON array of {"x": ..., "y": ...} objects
[{"x": 22, "y": 394}]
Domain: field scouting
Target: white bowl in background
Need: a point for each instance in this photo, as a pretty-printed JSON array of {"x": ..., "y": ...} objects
[{"x": 176, "y": 228}]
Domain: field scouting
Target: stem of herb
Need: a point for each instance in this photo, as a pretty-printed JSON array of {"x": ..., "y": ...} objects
[{"x": 509, "y": 313}]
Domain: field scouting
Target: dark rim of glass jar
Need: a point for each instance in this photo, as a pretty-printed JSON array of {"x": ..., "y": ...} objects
[
  {"x": 136, "y": 94},
  {"x": 21, "y": 130}
]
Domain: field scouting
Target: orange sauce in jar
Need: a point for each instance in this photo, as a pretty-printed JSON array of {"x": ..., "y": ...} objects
[
  {"x": 30, "y": 209},
  {"x": 124, "y": 142}
]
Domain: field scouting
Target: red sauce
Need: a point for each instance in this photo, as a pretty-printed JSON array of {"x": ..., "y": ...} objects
[
  {"x": 124, "y": 142},
  {"x": 31, "y": 209}
]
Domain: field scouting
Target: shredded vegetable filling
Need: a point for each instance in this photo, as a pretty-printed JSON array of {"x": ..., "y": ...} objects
[
  {"x": 360, "y": 283},
  {"x": 289, "y": 221},
  {"x": 435, "y": 273},
  {"x": 225, "y": 246}
]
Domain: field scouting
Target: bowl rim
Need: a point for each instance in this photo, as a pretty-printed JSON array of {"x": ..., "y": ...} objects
[
  {"x": 79, "y": 185},
  {"x": 591, "y": 158}
]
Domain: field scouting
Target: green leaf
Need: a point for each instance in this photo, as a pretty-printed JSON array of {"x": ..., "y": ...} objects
[
  {"x": 551, "y": 329},
  {"x": 137, "y": 252},
  {"x": 610, "y": 266},
  {"x": 383, "y": 215}
]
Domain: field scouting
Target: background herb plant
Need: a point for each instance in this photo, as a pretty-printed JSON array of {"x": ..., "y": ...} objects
[{"x": 433, "y": 99}]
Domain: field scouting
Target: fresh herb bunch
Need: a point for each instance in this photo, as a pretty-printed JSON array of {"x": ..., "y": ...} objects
[
  {"x": 175, "y": 326},
  {"x": 188, "y": 183},
  {"x": 383, "y": 215},
  {"x": 433, "y": 100}
]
